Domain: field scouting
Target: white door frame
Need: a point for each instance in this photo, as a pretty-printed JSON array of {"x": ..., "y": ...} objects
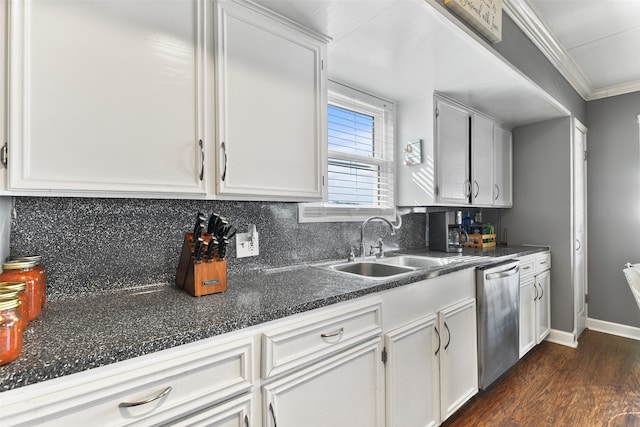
[{"x": 579, "y": 322}]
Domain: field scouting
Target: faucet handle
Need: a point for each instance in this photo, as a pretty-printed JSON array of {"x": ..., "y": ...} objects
[{"x": 352, "y": 254}]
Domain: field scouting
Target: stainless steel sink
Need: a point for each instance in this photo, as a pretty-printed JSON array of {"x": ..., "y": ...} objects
[
  {"x": 416, "y": 261},
  {"x": 371, "y": 269}
]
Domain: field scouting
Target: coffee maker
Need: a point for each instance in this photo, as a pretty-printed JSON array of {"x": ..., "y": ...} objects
[{"x": 445, "y": 231}]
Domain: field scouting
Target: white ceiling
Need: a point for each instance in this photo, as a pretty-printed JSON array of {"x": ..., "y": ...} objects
[
  {"x": 594, "y": 43},
  {"x": 404, "y": 49}
]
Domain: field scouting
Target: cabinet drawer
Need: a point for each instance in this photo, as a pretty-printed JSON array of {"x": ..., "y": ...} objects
[
  {"x": 165, "y": 387},
  {"x": 527, "y": 268},
  {"x": 543, "y": 263},
  {"x": 302, "y": 341}
]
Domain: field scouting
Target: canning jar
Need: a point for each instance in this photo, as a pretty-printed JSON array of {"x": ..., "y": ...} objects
[
  {"x": 9, "y": 290},
  {"x": 10, "y": 330},
  {"x": 23, "y": 271},
  {"x": 40, "y": 269}
]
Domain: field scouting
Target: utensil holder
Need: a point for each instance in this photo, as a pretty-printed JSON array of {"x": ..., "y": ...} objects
[{"x": 200, "y": 278}]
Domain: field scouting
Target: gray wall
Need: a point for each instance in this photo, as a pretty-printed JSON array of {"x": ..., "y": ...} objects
[
  {"x": 613, "y": 212},
  {"x": 541, "y": 212},
  {"x": 91, "y": 245}
]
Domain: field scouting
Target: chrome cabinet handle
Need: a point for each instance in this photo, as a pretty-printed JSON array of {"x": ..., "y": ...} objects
[
  {"x": 446, "y": 346},
  {"x": 541, "y": 292},
  {"x": 535, "y": 297},
  {"x": 201, "y": 145},
  {"x": 438, "y": 335},
  {"x": 526, "y": 268},
  {"x": 144, "y": 402},
  {"x": 333, "y": 334},
  {"x": 477, "y": 188},
  {"x": 224, "y": 152},
  {"x": 246, "y": 421},
  {"x": 497, "y": 191},
  {"x": 273, "y": 415},
  {"x": 502, "y": 274},
  {"x": 467, "y": 188},
  {"x": 579, "y": 244}
]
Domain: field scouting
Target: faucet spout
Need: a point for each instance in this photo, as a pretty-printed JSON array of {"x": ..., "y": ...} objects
[{"x": 367, "y": 221}]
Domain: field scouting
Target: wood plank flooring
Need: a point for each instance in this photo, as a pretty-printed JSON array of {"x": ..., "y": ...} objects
[{"x": 597, "y": 384}]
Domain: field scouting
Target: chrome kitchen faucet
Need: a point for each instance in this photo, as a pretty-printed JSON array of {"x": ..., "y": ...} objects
[{"x": 364, "y": 223}]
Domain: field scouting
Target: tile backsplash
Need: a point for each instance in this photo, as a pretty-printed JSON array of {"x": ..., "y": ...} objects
[{"x": 91, "y": 245}]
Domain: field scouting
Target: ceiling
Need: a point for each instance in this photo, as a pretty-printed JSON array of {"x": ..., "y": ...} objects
[
  {"x": 405, "y": 49},
  {"x": 595, "y": 44}
]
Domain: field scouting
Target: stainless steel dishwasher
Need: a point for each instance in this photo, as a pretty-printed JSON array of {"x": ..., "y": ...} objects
[{"x": 498, "y": 301}]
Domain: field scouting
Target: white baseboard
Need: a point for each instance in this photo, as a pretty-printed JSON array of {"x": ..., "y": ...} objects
[
  {"x": 563, "y": 338},
  {"x": 614, "y": 328}
]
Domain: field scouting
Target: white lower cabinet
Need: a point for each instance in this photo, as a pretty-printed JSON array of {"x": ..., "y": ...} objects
[
  {"x": 235, "y": 413},
  {"x": 458, "y": 356},
  {"x": 535, "y": 302},
  {"x": 431, "y": 368},
  {"x": 413, "y": 374},
  {"x": 345, "y": 390}
]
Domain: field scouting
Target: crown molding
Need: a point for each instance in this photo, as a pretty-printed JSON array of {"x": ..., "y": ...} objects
[{"x": 526, "y": 17}]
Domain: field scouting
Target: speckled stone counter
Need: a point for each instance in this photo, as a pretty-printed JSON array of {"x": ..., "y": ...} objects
[{"x": 89, "y": 331}]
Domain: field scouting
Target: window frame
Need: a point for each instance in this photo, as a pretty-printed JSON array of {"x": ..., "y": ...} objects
[{"x": 343, "y": 96}]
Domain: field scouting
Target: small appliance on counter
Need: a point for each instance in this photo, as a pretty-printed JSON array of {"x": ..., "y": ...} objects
[{"x": 446, "y": 233}]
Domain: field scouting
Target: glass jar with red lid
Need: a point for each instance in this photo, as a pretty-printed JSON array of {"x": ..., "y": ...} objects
[
  {"x": 10, "y": 330},
  {"x": 10, "y": 290},
  {"x": 23, "y": 271},
  {"x": 40, "y": 269}
]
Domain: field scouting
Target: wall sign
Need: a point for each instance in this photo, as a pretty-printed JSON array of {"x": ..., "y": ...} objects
[{"x": 484, "y": 15}]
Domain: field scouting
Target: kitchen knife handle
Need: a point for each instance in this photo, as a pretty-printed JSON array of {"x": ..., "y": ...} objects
[
  {"x": 439, "y": 342},
  {"x": 144, "y": 402},
  {"x": 224, "y": 153},
  {"x": 446, "y": 346},
  {"x": 273, "y": 415},
  {"x": 201, "y": 145}
]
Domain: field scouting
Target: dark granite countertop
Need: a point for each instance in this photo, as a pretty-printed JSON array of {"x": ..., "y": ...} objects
[{"x": 90, "y": 331}]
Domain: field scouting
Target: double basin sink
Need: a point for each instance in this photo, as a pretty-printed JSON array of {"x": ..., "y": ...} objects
[{"x": 387, "y": 267}]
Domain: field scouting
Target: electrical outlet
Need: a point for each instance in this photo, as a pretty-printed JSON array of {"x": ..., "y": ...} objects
[{"x": 247, "y": 243}]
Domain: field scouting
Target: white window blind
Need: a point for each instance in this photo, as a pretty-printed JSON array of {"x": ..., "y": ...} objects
[{"x": 360, "y": 137}]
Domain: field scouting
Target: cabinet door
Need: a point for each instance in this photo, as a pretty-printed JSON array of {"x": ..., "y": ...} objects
[
  {"x": 458, "y": 356},
  {"x": 271, "y": 107},
  {"x": 452, "y": 154},
  {"x": 234, "y": 413},
  {"x": 482, "y": 160},
  {"x": 104, "y": 96},
  {"x": 346, "y": 390},
  {"x": 528, "y": 297},
  {"x": 3, "y": 104},
  {"x": 543, "y": 309},
  {"x": 412, "y": 374},
  {"x": 502, "y": 191}
]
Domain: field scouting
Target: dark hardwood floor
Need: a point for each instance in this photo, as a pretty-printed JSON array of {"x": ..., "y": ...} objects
[{"x": 597, "y": 384}]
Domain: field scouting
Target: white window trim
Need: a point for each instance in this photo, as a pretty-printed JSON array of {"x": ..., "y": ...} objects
[{"x": 327, "y": 212}]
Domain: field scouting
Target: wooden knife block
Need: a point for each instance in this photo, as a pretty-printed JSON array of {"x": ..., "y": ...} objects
[{"x": 203, "y": 278}]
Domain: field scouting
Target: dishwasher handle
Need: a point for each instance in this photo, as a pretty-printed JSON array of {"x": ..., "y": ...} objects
[{"x": 502, "y": 274}]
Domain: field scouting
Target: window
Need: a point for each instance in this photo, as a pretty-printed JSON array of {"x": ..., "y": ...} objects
[{"x": 360, "y": 164}]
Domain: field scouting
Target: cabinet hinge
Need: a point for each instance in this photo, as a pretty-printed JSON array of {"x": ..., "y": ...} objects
[
  {"x": 4, "y": 154},
  {"x": 322, "y": 64},
  {"x": 585, "y": 155},
  {"x": 437, "y": 112},
  {"x": 323, "y": 180},
  {"x": 384, "y": 355},
  {"x": 437, "y": 190},
  {"x": 586, "y": 298}
]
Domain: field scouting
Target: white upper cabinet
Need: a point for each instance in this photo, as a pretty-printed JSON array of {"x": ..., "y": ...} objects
[
  {"x": 3, "y": 116},
  {"x": 271, "y": 106},
  {"x": 503, "y": 170},
  {"x": 482, "y": 165},
  {"x": 106, "y": 96},
  {"x": 452, "y": 153}
]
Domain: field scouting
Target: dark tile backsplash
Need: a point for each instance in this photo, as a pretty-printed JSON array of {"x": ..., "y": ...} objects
[{"x": 91, "y": 245}]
